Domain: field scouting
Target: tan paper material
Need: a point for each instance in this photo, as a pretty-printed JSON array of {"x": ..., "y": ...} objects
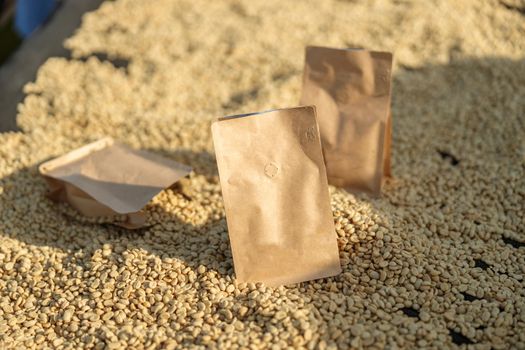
[
  {"x": 276, "y": 196},
  {"x": 351, "y": 91},
  {"x": 106, "y": 178}
]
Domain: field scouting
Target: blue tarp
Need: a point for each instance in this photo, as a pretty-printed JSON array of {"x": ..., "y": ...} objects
[{"x": 30, "y": 14}]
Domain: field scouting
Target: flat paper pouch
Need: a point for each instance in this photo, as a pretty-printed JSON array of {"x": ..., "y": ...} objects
[
  {"x": 105, "y": 179},
  {"x": 351, "y": 91},
  {"x": 276, "y": 198}
]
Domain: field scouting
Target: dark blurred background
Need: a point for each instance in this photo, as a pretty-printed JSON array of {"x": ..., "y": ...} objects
[{"x": 19, "y": 19}]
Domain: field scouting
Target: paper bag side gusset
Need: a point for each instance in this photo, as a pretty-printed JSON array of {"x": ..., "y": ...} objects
[
  {"x": 276, "y": 197},
  {"x": 351, "y": 90}
]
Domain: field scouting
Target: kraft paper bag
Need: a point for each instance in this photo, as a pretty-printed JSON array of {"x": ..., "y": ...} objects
[
  {"x": 351, "y": 91},
  {"x": 108, "y": 179},
  {"x": 276, "y": 196}
]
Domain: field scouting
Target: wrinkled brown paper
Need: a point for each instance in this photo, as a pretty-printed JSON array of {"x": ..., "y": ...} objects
[
  {"x": 105, "y": 179},
  {"x": 351, "y": 91},
  {"x": 276, "y": 196}
]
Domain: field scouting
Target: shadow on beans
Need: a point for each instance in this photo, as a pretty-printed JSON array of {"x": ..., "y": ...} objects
[
  {"x": 442, "y": 114},
  {"x": 29, "y": 216}
]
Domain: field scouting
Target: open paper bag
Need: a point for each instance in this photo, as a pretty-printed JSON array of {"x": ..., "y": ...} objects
[{"x": 105, "y": 179}]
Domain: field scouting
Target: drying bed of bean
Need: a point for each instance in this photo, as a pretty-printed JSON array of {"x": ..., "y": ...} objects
[{"x": 437, "y": 262}]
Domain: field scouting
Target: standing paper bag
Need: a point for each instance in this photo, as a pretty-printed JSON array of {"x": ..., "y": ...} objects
[
  {"x": 107, "y": 179},
  {"x": 351, "y": 91},
  {"x": 276, "y": 196}
]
